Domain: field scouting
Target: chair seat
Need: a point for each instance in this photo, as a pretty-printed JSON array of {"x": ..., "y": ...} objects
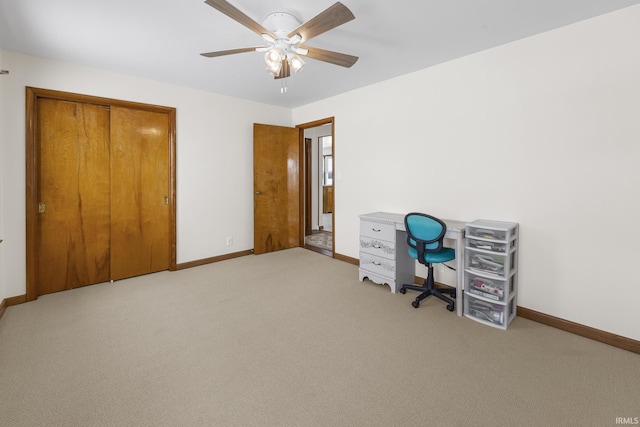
[{"x": 444, "y": 255}]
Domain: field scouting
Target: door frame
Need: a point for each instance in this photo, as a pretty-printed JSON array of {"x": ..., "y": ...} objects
[
  {"x": 33, "y": 158},
  {"x": 304, "y": 172},
  {"x": 307, "y": 185}
]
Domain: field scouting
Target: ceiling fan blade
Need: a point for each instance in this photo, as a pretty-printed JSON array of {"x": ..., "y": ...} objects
[
  {"x": 336, "y": 58},
  {"x": 235, "y": 14},
  {"x": 230, "y": 52},
  {"x": 330, "y": 18}
]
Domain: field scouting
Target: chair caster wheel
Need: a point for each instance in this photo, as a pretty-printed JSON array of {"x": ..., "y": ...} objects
[
  {"x": 403, "y": 290},
  {"x": 415, "y": 304},
  {"x": 450, "y": 307}
]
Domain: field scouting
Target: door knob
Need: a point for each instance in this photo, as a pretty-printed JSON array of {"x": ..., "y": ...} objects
[{"x": 258, "y": 193}]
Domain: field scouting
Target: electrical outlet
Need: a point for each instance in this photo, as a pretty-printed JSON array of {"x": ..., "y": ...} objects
[{"x": 229, "y": 241}]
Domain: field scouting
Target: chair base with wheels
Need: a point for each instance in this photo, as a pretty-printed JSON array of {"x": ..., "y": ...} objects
[{"x": 429, "y": 289}]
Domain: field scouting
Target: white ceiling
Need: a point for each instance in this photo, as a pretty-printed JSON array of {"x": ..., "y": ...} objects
[{"x": 162, "y": 39}]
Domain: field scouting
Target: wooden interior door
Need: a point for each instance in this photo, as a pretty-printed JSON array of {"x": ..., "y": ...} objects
[
  {"x": 276, "y": 184},
  {"x": 73, "y": 229},
  {"x": 140, "y": 189}
]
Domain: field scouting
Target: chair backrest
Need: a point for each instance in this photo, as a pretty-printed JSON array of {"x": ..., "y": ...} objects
[{"x": 425, "y": 233}]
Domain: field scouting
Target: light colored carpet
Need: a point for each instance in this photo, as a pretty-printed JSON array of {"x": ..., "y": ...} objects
[{"x": 292, "y": 338}]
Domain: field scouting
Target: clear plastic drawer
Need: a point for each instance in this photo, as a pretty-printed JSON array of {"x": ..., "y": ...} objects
[
  {"x": 485, "y": 233},
  {"x": 485, "y": 263},
  {"x": 492, "y": 314},
  {"x": 492, "y": 230},
  {"x": 491, "y": 289},
  {"x": 487, "y": 245}
]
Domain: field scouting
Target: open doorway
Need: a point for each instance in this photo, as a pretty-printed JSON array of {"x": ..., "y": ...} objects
[{"x": 319, "y": 186}]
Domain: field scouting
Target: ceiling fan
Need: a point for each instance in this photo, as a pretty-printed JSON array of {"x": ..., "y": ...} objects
[{"x": 284, "y": 36}]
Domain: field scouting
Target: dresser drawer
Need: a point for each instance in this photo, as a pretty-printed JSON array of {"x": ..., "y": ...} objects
[
  {"x": 378, "y": 247},
  {"x": 378, "y": 230},
  {"x": 378, "y": 265}
]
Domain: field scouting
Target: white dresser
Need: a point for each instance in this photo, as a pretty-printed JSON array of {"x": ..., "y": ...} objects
[{"x": 384, "y": 255}]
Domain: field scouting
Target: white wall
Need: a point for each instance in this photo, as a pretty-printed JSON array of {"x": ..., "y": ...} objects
[
  {"x": 214, "y": 157},
  {"x": 544, "y": 132}
]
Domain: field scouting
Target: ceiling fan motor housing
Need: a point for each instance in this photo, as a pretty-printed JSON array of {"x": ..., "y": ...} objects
[{"x": 281, "y": 24}]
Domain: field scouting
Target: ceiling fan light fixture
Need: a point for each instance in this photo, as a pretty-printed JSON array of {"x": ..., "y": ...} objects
[
  {"x": 274, "y": 70},
  {"x": 296, "y": 63},
  {"x": 273, "y": 55},
  {"x": 273, "y": 58}
]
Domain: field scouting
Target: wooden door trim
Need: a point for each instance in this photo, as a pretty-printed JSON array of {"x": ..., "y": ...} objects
[
  {"x": 32, "y": 161},
  {"x": 307, "y": 185},
  {"x": 302, "y": 127}
]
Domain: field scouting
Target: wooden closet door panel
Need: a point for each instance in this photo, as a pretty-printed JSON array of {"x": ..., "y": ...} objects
[
  {"x": 139, "y": 188},
  {"x": 74, "y": 229}
]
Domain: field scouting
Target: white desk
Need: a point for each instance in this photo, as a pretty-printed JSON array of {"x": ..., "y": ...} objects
[{"x": 455, "y": 231}]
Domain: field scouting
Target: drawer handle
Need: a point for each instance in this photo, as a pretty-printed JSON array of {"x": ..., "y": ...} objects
[
  {"x": 377, "y": 231},
  {"x": 375, "y": 263},
  {"x": 376, "y": 246}
]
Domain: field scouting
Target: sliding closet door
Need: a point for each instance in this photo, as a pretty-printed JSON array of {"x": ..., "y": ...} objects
[
  {"x": 140, "y": 187},
  {"x": 100, "y": 190},
  {"x": 73, "y": 229}
]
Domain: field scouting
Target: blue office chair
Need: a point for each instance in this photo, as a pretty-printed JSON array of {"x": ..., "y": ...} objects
[{"x": 425, "y": 234}]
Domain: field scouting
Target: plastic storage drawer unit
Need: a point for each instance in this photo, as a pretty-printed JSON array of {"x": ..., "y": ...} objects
[{"x": 491, "y": 266}]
